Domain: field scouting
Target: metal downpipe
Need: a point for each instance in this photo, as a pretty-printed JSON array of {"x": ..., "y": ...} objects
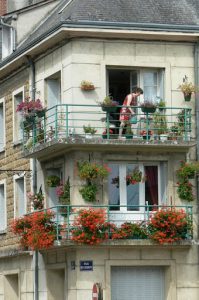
[
  {"x": 196, "y": 70},
  {"x": 34, "y": 167}
]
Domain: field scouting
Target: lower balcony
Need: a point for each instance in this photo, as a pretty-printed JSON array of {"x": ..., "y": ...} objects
[
  {"x": 65, "y": 127},
  {"x": 67, "y": 225}
]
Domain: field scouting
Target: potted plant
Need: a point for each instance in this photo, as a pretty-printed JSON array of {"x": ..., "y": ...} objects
[
  {"x": 129, "y": 231},
  {"x": 148, "y": 107},
  {"x": 31, "y": 108},
  {"x": 52, "y": 180},
  {"x": 186, "y": 172},
  {"x": 174, "y": 132},
  {"x": 109, "y": 105},
  {"x": 91, "y": 226},
  {"x": 146, "y": 134},
  {"x": 91, "y": 172},
  {"x": 63, "y": 192},
  {"x": 161, "y": 104},
  {"x": 89, "y": 131},
  {"x": 132, "y": 178},
  {"x": 128, "y": 132},
  {"x": 187, "y": 88},
  {"x": 169, "y": 225},
  {"x": 111, "y": 134},
  {"x": 37, "y": 230},
  {"x": 36, "y": 200},
  {"x": 87, "y": 85},
  {"x": 160, "y": 125}
]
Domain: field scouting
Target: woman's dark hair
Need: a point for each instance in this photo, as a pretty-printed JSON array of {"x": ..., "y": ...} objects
[{"x": 137, "y": 90}]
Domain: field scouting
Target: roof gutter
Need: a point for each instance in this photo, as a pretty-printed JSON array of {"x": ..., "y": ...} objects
[
  {"x": 101, "y": 25},
  {"x": 134, "y": 26}
]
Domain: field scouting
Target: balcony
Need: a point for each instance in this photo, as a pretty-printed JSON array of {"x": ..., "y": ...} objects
[
  {"x": 63, "y": 128},
  {"x": 64, "y": 217}
]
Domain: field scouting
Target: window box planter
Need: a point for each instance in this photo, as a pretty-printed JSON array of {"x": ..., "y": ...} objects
[
  {"x": 109, "y": 109},
  {"x": 148, "y": 109}
]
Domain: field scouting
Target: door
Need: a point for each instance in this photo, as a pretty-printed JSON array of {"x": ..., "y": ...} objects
[
  {"x": 130, "y": 199},
  {"x": 137, "y": 283}
]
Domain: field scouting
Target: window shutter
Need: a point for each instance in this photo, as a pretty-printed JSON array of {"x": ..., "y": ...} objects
[
  {"x": 7, "y": 41},
  {"x": 1, "y": 127},
  {"x": 139, "y": 283},
  {"x": 20, "y": 196},
  {"x": 2, "y": 208}
]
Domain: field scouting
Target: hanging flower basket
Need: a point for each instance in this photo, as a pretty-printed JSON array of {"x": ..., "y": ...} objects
[
  {"x": 87, "y": 85},
  {"x": 53, "y": 181},
  {"x": 187, "y": 97},
  {"x": 132, "y": 178},
  {"x": 148, "y": 107}
]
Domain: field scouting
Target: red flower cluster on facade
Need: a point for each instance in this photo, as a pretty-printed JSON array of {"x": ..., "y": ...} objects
[
  {"x": 36, "y": 231},
  {"x": 90, "y": 226},
  {"x": 145, "y": 132},
  {"x": 129, "y": 230},
  {"x": 105, "y": 132},
  {"x": 169, "y": 225}
]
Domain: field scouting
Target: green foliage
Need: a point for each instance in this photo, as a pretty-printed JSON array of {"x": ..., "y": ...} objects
[
  {"x": 88, "y": 192},
  {"x": 52, "y": 181},
  {"x": 91, "y": 170},
  {"x": 184, "y": 173},
  {"x": 89, "y": 129},
  {"x": 160, "y": 123}
]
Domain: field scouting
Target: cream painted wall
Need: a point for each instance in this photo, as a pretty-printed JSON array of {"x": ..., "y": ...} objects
[{"x": 87, "y": 60}]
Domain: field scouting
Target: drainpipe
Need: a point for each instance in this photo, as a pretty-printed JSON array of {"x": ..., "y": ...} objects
[
  {"x": 34, "y": 167},
  {"x": 196, "y": 70}
]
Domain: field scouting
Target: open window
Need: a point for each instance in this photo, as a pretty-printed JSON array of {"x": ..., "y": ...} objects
[{"x": 122, "y": 81}]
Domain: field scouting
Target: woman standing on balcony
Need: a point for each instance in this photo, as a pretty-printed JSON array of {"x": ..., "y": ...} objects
[{"x": 127, "y": 111}]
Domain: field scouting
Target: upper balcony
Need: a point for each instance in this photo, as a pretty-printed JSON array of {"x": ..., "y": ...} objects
[{"x": 66, "y": 126}]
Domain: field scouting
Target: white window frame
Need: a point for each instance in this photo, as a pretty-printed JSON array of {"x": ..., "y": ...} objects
[
  {"x": 123, "y": 190},
  {"x": 160, "y": 74},
  {"x": 15, "y": 177},
  {"x": 8, "y": 40},
  {"x": 2, "y": 146},
  {"x": 16, "y": 114},
  {"x": 3, "y": 182}
]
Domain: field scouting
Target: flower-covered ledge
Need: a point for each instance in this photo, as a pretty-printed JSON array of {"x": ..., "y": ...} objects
[{"x": 101, "y": 225}]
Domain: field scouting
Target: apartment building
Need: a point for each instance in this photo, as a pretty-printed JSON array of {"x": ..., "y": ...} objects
[{"x": 114, "y": 46}]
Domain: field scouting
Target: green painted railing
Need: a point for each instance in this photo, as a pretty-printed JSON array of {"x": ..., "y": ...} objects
[
  {"x": 64, "y": 216},
  {"x": 66, "y": 122}
]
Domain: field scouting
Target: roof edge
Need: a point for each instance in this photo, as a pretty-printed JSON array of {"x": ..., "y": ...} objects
[{"x": 145, "y": 27}]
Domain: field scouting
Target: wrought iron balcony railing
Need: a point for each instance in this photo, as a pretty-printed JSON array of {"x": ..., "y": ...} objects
[
  {"x": 67, "y": 123},
  {"x": 65, "y": 215}
]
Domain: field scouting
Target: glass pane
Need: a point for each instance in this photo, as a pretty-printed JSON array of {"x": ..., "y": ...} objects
[
  {"x": 132, "y": 191},
  {"x": 151, "y": 185},
  {"x": 113, "y": 186},
  {"x": 150, "y": 85},
  {"x": 150, "y": 78},
  {"x": 163, "y": 182}
]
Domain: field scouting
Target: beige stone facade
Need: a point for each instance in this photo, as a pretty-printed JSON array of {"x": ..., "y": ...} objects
[{"x": 60, "y": 276}]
